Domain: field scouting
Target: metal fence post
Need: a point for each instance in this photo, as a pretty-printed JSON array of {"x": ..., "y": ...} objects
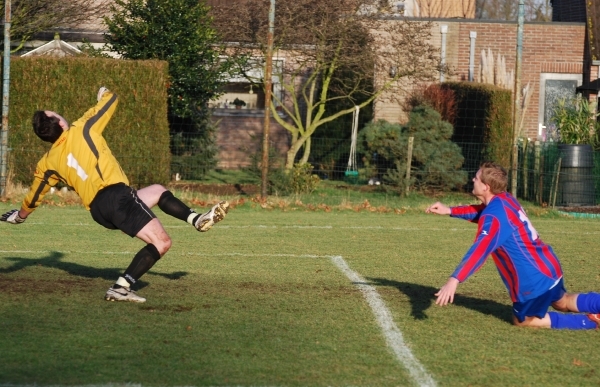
[
  {"x": 5, "y": 93},
  {"x": 409, "y": 163},
  {"x": 517, "y": 101},
  {"x": 268, "y": 83}
]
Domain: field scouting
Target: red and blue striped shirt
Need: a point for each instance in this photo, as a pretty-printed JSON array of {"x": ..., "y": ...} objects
[{"x": 527, "y": 265}]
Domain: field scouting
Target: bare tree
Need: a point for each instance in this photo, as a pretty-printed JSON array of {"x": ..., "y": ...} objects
[
  {"x": 336, "y": 50},
  {"x": 446, "y": 9},
  {"x": 538, "y": 10},
  {"x": 29, "y": 17},
  {"x": 535, "y": 10}
]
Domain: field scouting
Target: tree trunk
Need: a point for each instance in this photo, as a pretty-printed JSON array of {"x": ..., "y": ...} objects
[
  {"x": 306, "y": 154},
  {"x": 294, "y": 149}
]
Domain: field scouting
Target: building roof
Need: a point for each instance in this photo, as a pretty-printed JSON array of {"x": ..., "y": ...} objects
[{"x": 56, "y": 48}]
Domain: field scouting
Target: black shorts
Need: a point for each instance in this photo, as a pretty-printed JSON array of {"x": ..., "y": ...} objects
[{"x": 118, "y": 207}]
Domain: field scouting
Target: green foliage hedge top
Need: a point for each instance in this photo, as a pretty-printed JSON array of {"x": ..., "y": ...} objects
[
  {"x": 484, "y": 116},
  {"x": 138, "y": 133}
]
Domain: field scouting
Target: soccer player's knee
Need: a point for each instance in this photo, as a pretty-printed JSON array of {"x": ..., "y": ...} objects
[
  {"x": 525, "y": 323},
  {"x": 163, "y": 245},
  {"x": 518, "y": 323},
  {"x": 562, "y": 305}
]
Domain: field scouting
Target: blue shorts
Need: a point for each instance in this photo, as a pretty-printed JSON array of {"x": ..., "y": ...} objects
[{"x": 538, "y": 307}]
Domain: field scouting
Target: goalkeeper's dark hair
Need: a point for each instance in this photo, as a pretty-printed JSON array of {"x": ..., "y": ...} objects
[{"x": 47, "y": 128}]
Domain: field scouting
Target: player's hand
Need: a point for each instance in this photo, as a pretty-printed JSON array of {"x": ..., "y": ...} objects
[
  {"x": 446, "y": 294},
  {"x": 438, "y": 208},
  {"x": 101, "y": 92},
  {"x": 12, "y": 216}
]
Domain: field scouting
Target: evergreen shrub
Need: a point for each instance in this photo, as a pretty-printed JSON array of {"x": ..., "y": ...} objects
[
  {"x": 436, "y": 160},
  {"x": 138, "y": 133}
]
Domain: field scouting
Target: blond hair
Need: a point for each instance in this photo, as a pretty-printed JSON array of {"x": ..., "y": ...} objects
[{"x": 495, "y": 176}]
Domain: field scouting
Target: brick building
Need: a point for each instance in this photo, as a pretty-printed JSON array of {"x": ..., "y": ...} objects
[{"x": 554, "y": 56}]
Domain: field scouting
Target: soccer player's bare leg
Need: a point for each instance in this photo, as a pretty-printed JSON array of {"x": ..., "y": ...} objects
[
  {"x": 533, "y": 322},
  {"x": 157, "y": 244},
  {"x": 568, "y": 303},
  {"x": 155, "y": 234},
  {"x": 151, "y": 194}
]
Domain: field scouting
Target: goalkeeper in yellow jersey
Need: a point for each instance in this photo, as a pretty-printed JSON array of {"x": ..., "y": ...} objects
[{"x": 80, "y": 158}]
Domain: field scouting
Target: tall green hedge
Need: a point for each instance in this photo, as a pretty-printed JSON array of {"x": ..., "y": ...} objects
[
  {"x": 138, "y": 133},
  {"x": 484, "y": 116}
]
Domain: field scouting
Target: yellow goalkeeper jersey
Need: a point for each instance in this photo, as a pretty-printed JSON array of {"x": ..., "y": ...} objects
[{"x": 80, "y": 158}]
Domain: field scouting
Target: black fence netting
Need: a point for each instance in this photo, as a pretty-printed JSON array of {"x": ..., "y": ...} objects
[{"x": 547, "y": 174}]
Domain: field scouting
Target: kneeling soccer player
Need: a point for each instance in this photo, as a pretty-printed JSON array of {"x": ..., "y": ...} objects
[{"x": 529, "y": 268}]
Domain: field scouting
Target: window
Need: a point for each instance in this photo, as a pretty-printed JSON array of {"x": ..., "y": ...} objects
[{"x": 553, "y": 88}]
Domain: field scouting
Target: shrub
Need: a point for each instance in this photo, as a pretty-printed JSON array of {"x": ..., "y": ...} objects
[
  {"x": 483, "y": 116},
  {"x": 298, "y": 180},
  {"x": 436, "y": 161},
  {"x": 440, "y": 98},
  {"x": 576, "y": 121}
]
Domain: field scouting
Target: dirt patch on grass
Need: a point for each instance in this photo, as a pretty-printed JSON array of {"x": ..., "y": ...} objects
[
  {"x": 29, "y": 285},
  {"x": 218, "y": 189}
]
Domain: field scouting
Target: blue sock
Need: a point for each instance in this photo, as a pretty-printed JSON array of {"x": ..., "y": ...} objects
[
  {"x": 588, "y": 303},
  {"x": 570, "y": 321}
]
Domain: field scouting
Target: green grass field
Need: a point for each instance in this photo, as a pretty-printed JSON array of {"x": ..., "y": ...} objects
[{"x": 280, "y": 298}]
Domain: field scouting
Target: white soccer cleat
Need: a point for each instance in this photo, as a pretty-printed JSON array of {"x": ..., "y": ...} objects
[
  {"x": 123, "y": 294},
  {"x": 215, "y": 215}
]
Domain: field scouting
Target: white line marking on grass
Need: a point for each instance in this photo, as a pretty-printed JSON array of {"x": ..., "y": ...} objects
[
  {"x": 273, "y": 227},
  {"x": 392, "y": 334}
]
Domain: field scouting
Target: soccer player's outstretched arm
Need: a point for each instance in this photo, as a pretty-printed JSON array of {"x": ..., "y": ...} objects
[
  {"x": 488, "y": 238},
  {"x": 97, "y": 118},
  {"x": 446, "y": 293},
  {"x": 438, "y": 208}
]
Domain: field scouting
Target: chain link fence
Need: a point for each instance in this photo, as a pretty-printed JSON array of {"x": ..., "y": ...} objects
[{"x": 547, "y": 173}]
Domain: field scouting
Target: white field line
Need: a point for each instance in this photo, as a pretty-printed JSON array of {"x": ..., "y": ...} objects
[
  {"x": 324, "y": 227},
  {"x": 392, "y": 334}
]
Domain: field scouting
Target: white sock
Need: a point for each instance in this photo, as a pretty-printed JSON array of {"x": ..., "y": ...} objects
[
  {"x": 192, "y": 218},
  {"x": 122, "y": 282}
]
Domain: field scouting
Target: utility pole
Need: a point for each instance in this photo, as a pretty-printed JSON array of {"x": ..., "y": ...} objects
[
  {"x": 517, "y": 106},
  {"x": 268, "y": 84},
  {"x": 5, "y": 93}
]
